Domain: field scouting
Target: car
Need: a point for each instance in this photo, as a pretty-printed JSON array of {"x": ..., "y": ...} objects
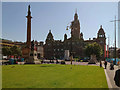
[{"x": 5, "y": 62}]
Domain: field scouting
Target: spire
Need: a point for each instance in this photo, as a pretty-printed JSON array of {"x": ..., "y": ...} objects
[
  {"x": 65, "y": 36},
  {"x": 50, "y": 34},
  {"x": 75, "y": 16},
  {"x": 100, "y": 26},
  {"x": 29, "y": 13},
  {"x": 76, "y": 10},
  {"x": 29, "y": 8}
]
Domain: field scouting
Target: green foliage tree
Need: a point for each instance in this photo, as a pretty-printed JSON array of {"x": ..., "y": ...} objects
[
  {"x": 15, "y": 51},
  {"x": 95, "y": 49},
  {"x": 6, "y": 51}
]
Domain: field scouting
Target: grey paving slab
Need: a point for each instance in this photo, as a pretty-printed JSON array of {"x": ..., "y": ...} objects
[{"x": 110, "y": 77}]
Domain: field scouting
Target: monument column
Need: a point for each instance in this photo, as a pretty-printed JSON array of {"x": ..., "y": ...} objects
[
  {"x": 28, "y": 52},
  {"x": 29, "y": 28}
]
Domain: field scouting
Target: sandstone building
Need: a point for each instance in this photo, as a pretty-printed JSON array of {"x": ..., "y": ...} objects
[
  {"x": 53, "y": 49},
  {"x": 75, "y": 44}
]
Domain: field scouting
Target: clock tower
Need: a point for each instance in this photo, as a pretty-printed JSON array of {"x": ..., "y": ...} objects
[{"x": 75, "y": 27}]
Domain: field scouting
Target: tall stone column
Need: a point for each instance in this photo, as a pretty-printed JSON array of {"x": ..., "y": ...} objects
[
  {"x": 27, "y": 50},
  {"x": 29, "y": 28}
]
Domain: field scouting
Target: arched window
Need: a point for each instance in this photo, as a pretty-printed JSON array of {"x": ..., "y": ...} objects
[{"x": 100, "y": 35}]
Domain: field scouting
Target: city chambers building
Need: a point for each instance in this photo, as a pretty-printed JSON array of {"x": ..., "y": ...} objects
[{"x": 75, "y": 44}]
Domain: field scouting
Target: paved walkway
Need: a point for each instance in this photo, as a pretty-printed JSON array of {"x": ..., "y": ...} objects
[
  {"x": 76, "y": 63},
  {"x": 110, "y": 77},
  {"x": 79, "y": 63}
]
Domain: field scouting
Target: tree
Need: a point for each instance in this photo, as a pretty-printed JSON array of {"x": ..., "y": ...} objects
[
  {"x": 15, "y": 51},
  {"x": 95, "y": 49},
  {"x": 6, "y": 51}
]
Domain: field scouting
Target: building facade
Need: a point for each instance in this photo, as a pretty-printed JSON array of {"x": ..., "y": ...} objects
[
  {"x": 118, "y": 53},
  {"x": 75, "y": 44},
  {"x": 10, "y": 43},
  {"x": 40, "y": 50},
  {"x": 112, "y": 52}
]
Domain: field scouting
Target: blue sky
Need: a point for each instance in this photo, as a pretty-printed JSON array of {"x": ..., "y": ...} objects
[{"x": 55, "y": 16}]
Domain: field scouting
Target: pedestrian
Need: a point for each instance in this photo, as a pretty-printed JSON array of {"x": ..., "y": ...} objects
[
  {"x": 100, "y": 63},
  {"x": 105, "y": 63},
  {"x": 111, "y": 66},
  {"x": 117, "y": 77}
]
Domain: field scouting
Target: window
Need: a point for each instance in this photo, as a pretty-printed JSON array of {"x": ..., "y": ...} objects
[
  {"x": 31, "y": 54},
  {"x": 61, "y": 49},
  {"x": 101, "y": 35},
  {"x": 48, "y": 38},
  {"x": 101, "y": 41},
  {"x": 68, "y": 43},
  {"x": 73, "y": 43},
  {"x": 48, "y": 44}
]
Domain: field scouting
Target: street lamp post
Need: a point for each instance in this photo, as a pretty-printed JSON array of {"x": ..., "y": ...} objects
[
  {"x": 108, "y": 48},
  {"x": 115, "y": 36},
  {"x": 71, "y": 56},
  {"x": 71, "y": 51}
]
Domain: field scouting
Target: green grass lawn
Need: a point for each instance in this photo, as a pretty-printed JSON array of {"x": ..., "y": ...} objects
[{"x": 53, "y": 76}]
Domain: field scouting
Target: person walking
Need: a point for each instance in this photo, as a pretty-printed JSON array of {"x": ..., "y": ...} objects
[
  {"x": 105, "y": 63},
  {"x": 100, "y": 63},
  {"x": 111, "y": 66}
]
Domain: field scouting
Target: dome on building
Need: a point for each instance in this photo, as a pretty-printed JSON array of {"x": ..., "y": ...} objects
[
  {"x": 101, "y": 30},
  {"x": 50, "y": 34}
]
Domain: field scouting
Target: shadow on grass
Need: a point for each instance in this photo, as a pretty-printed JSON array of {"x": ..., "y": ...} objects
[{"x": 48, "y": 66}]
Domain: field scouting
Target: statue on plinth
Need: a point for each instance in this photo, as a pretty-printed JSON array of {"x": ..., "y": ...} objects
[{"x": 93, "y": 59}]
